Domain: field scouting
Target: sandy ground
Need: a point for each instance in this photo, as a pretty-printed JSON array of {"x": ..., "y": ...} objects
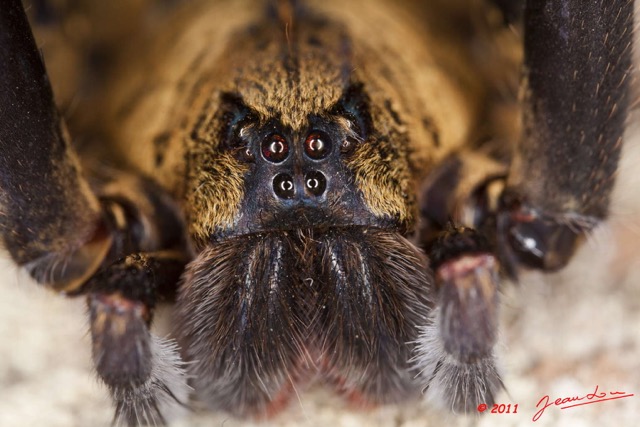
[{"x": 562, "y": 335}]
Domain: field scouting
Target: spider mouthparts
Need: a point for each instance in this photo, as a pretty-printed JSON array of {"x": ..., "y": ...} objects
[{"x": 253, "y": 307}]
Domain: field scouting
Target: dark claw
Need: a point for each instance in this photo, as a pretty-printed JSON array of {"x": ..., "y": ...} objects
[
  {"x": 535, "y": 240},
  {"x": 542, "y": 244}
]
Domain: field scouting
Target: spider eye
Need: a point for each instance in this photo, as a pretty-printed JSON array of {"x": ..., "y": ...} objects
[
  {"x": 355, "y": 107},
  {"x": 275, "y": 148},
  {"x": 317, "y": 145},
  {"x": 246, "y": 155},
  {"x": 283, "y": 186},
  {"x": 236, "y": 121},
  {"x": 237, "y": 141},
  {"x": 348, "y": 145},
  {"x": 315, "y": 182}
]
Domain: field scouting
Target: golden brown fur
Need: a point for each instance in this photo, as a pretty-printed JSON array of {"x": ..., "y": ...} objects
[{"x": 423, "y": 105}]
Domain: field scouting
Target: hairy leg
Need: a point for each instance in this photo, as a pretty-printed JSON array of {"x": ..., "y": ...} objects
[{"x": 120, "y": 246}]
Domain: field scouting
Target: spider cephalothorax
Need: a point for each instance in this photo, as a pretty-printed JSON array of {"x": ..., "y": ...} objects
[{"x": 327, "y": 190}]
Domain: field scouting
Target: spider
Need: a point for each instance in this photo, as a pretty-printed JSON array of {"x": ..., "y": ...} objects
[{"x": 324, "y": 191}]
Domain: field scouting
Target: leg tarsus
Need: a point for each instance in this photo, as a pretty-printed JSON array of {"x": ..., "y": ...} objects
[
  {"x": 161, "y": 397},
  {"x": 454, "y": 352},
  {"x": 449, "y": 383},
  {"x": 145, "y": 374}
]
